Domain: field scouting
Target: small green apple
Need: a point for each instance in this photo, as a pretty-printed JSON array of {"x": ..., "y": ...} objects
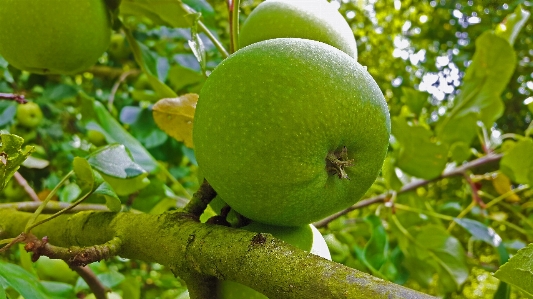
[
  {"x": 96, "y": 137},
  {"x": 289, "y": 131},
  {"x": 29, "y": 115},
  {"x": 305, "y": 237},
  {"x": 53, "y": 36},
  {"x": 309, "y": 19},
  {"x": 118, "y": 49}
]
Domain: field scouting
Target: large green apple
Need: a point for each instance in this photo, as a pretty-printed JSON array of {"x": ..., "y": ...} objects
[
  {"x": 305, "y": 237},
  {"x": 289, "y": 131},
  {"x": 310, "y": 19},
  {"x": 53, "y": 36}
]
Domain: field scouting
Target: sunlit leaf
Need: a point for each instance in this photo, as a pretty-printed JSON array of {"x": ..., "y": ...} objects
[
  {"x": 175, "y": 117},
  {"x": 512, "y": 24},
  {"x": 84, "y": 173},
  {"x": 161, "y": 12},
  {"x": 517, "y": 163},
  {"x": 414, "y": 99},
  {"x": 485, "y": 79},
  {"x": 12, "y": 156},
  {"x": 502, "y": 185},
  {"x": 518, "y": 271}
]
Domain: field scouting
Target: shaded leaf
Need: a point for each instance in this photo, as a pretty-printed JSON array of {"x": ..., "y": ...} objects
[
  {"x": 419, "y": 155},
  {"x": 480, "y": 231},
  {"x": 517, "y": 163},
  {"x": 21, "y": 281},
  {"x": 98, "y": 118},
  {"x": 149, "y": 64},
  {"x": 180, "y": 76},
  {"x": 518, "y": 271},
  {"x": 175, "y": 117},
  {"x": 377, "y": 247}
]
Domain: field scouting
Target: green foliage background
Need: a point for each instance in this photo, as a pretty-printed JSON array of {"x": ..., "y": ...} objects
[{"x": 434, "y": 238}]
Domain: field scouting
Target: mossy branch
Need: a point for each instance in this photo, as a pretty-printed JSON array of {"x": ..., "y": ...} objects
[{"x": 202, "y": 252}]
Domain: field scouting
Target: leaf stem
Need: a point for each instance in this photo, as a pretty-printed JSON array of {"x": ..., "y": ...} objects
[
  {"x": 30, "y": 223},
  {"x": 213, "y": 39},
  {"x": 234, "y": 6}
]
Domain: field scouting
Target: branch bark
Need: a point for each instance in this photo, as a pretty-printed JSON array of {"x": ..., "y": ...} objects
[{"x": 275, "y": 268}]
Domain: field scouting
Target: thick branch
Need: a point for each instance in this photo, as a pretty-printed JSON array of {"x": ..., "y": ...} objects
[
  {"x": 176, "y": 240},
  {"x": 458, "y": 171}
]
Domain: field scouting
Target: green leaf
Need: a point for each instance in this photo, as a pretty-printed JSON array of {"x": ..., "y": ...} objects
[
  {"x": 148, "y": 63},
  {"x": 22, "y": 281},
  {"x": 517, "y": 163},
  {"x": 414, "y": 99},
  {"x": 518, "y": 271},
  {"x": 196, "y": 44},
  {"x": 376, "y": 249},
  {"x": 419, "y": 155},
  {"x": 512, "y": 24},
  {"x": 435, "y": 250},
  {"x": 389, "y": 174},
  {"x": 2, "y": 293},
  {"x": 161, "y": 12},
  {"x": 480, "y": 231},
  {"x": 84, "y": 173},
  {"x": 485, "y": 79},
  {"x": 180, "y": 76},
  {"x": 111, "y": 198},
  {"x": 12, "y": 156},
  {"x": 96, "y": 117},
  {"x": 115, "y": 161}
]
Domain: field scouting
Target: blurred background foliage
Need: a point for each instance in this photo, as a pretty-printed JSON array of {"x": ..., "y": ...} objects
[{"x": 417, "y": 51}]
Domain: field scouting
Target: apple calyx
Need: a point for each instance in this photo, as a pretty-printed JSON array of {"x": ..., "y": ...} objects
[{"x": 336, "y": 161}]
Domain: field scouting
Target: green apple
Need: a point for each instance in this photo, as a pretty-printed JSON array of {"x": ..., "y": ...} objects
[
  {"x": 53, "y": 36},
  {"x": 310, "y": 19},
  {"x": 29, "y": 115},
  {"x": 305, "y": 237},
  {"x": 118, "y": 49},
  {"x": 96, "y": 137},
  {"x": 289, "y": 131}
]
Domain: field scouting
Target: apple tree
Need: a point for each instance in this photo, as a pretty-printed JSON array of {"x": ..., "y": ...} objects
[{"x": 191, "y": 149}]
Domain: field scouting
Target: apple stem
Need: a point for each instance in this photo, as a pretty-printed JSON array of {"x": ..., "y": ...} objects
[{"x": 337, "y": 161}]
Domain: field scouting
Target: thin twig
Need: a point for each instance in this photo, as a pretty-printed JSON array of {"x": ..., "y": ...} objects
[
  {"x": 99, "y": 290},
  {"x": 114, "y": 90},
  {"x": 24, "y": 184},
  {"x": 13, "y": 97},
  {"x": 458, "y": 171},
  {"x": 52, "y": 207}
]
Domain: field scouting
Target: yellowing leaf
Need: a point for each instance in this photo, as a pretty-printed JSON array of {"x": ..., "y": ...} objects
[
  {"x": 175, "y": 116},
  {"x": 502, "y": 185}
]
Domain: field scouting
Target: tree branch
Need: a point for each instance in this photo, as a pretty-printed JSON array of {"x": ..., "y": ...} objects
[
  {"x": 177, "y": 240},
  {"x": 458, "y": 171}
]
